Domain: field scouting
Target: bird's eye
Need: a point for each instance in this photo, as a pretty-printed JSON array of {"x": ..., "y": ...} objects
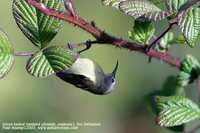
[{"x": 113, "y": 80}]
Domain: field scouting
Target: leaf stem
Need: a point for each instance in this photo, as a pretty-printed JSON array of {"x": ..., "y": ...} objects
[
  {"x": 89, "y": 42},
  {"x": 25, "y": 54},
  {"x": 103, "y": 37}
]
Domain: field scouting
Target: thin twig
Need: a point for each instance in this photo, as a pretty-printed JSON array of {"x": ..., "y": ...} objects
[
  {"x": 88, "y": 45},
  {"x": 104, "y": 37},
  {"x": 73, "y": 46},
  {"x": 70, "y": 46},
  {"x": 25, "y": 54},
  {"x": 161, "y": 36}
]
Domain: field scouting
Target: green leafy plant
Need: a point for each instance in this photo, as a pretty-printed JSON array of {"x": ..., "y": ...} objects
[
  {"x": 6, "y": 54},
  {"x": 176, "y": 110},
  {"x": 142, "y": 32},
  {"x": 41, "y": 20},
  {"x": 39, "y": 28}
]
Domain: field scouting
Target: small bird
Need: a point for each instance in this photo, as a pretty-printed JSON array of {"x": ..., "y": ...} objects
[{"x": 88, "y": 75}]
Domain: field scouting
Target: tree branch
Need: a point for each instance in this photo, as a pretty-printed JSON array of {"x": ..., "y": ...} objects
[{"x": 105, "y": 38}]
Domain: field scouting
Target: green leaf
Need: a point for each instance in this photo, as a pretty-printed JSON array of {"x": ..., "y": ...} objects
[
  {"x": 115, "y": 3},
  {"x": 176, "y": 110},
  {"x": 190, "y": 70},
  {"x": 112, "y": 3},
  {"x": 156, "y": 1},
  {"x": 190, "y": 63},
  {"x": 40, "y": 29},
  {"x": 50, "y": 61},
  {"x": 175, "y": 5},
  {"x": 168, "y": 40},
  {"x": 142, "y": 32},
  {"x": 170, "y": 88},
  {"x": 189, "y": 23},
  {"x": 6, "y": 54},
  {"x": 180, "y": 5},
  {"x": 184, "y": 78},
  {"x": 143, "y": 10},
  {"x": 178, "y": 40},
  {"x": 164, "y": 43}
]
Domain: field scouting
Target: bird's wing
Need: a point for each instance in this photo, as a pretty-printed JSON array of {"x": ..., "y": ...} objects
[{"x": 77, "y": 80}]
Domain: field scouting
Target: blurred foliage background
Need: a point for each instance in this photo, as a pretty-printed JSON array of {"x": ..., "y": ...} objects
[{"x": 27, "y": 99}]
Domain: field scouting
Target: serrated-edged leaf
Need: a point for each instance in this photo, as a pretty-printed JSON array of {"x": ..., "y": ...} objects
[
  {"x": 143, "y": 10},
  {"x": 6, "y": 54},
  {"x": 170, "y": 88},
  {"x": 190, "y": 70},
  {"x": 190, "y": 63},
  {"x": 50, "y": 61},
  {"x": 176, "y": 110},
  {"x": 142, "y": 32},
  {"x": 39, "y": 28},
  {"x": 155, "y": 16},
  {"x": 151, "y": 105},
  {"x": 178, "y": 40},
  {"x": 112, "y": 3},
  {"x": 184, "y": 78},
  {"x": 175, "y": 5},
  {"x": 188, "y": 22},
  {"x": 156, "y": 1}
]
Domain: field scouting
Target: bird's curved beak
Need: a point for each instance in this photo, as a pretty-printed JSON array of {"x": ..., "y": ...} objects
[{"x": 115, "y": 70}]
